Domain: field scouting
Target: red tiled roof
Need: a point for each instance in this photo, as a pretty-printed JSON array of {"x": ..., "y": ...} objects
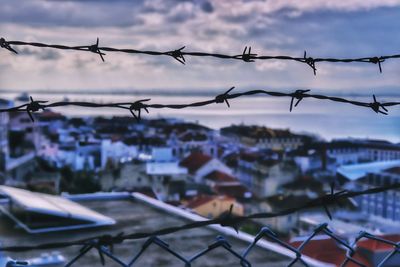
[
  {"x": 373, "y": 245},
  {"x": 327, "y": 250},
  {"x": 218, "y": 176},
  {"x": 234, "y": 190},
  {"x": 195, "y": 161}
]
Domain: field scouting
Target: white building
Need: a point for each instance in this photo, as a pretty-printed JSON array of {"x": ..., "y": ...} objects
[
  {"x": 117, "y": 152},
  {"x": 385, "y": 205}
]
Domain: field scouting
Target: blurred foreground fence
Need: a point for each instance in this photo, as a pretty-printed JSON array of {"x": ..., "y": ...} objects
[
  {"x": 105, "y": 249},
  {"x": 104, "y": 244}
]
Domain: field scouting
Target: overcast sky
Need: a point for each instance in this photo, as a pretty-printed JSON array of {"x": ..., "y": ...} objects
[{"x": 329, "y": 28}]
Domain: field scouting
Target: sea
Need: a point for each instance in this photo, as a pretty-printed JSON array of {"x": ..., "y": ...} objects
[{"x": 328, "y": 120}]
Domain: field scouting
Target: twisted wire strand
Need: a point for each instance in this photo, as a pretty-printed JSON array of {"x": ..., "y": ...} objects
[
  {"x": 135, "y": 108},
  {"x": 180, "y": 54}
]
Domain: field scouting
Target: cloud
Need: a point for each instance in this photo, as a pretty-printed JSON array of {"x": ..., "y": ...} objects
[
  {"x": 207, "y": 7},
  {"x": 40, "y": 54},
  {"x": 69, "y": 13},
  {"x": 323, "y": 28}
]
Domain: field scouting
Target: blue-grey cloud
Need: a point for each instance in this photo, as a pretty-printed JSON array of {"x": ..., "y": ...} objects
[
  {"x": 40, "y": 54},
  {"x": 323, "y": 28},
  {"x": 69, "y": 13}
]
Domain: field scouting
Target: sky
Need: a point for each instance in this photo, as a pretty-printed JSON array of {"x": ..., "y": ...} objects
[{"x": 329, "y": 28}]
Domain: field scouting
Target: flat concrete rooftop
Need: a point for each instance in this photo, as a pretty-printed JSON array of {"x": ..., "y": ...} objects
[{"x": 136, "y": 216}]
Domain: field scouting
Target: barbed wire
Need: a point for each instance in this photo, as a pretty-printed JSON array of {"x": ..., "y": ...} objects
[
  {"x": 135, "y": 108},
  {"x": 179, "y": 54},
  {"x": 227, "y": 219},
  {"x": 105, "y": 249}
]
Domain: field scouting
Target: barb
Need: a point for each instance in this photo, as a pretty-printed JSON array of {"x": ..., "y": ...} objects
[
  {"x": 34, "y": 106},
  {"x": 377, "y": 60},
  {"x": 310, "y": 62},
  {"x": 330, "y": 199},
  {"x": 6, "y": 45},
  {"x": 299, "y": 95},
  {"x": 246, "y": 56},
  {"x": 179, "y": 55},
  {"x": 136, "y": 107},
  {"x": 95, "y": 49},
  {"x": 228, "y": 219},
  {"x": 376, "y": 106},
  {"x": 224, "y": 97}
]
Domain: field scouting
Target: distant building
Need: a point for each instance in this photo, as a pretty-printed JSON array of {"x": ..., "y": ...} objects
[
  {"x": 217, "y": 177},
  {"x": 162, "y": 154},
  {"x": 312, "y": 160},
  {"x": 116, "y": 152},
  {"x": 277, "y": 203},
  {"x": 263, "y": 137},
  {"x": 20, "y": 122},
  {"x": 354, "y": 151},
  {"x": 199, "y": 165},
  {"x": 4, "y": 150},
  {"x": 385, "y": 205},
  {"x": 129, "y": 176},
  {"x": 80, "y": 156},
  {"x": 224, "y": 184},
  {"x": 328, "y": 156},
  {"x": 17, "y": 152},
  {"x": 162, "y": 176},
  {"x": 189, "y": 141},
  {"x": 350, "y": 151},
  {"x": 263, "y": 175}
]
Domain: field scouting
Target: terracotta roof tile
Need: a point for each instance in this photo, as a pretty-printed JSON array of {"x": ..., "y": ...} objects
[
  {"x": 373, "y": 245},
  {"x": 218, "y": 176},
  {"x": 195, "y": 161},
  {"x": 235, "y": 190}
]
